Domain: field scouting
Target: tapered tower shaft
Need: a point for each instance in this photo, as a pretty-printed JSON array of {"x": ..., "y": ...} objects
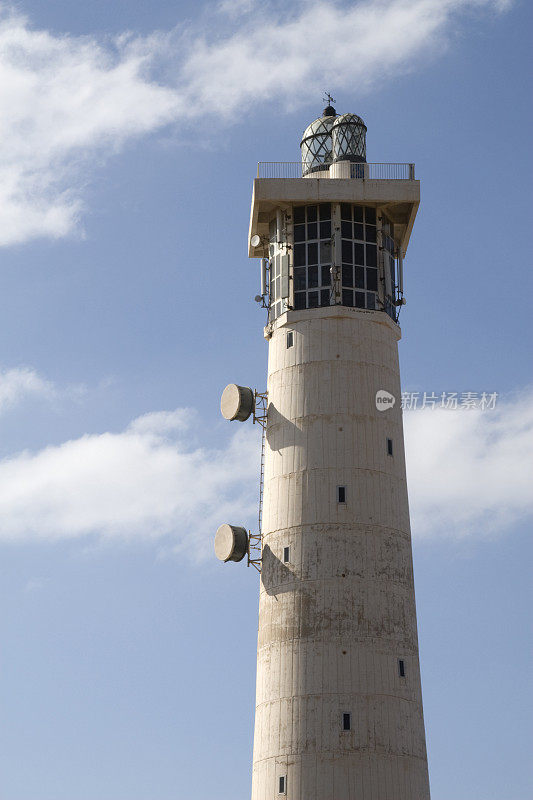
[{"x": 337, "y": 620}]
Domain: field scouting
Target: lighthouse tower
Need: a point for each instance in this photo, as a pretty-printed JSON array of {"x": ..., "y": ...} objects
[{"x": 339, "y": 704}]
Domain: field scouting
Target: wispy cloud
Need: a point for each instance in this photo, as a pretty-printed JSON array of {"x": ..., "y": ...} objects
[
  {"x": 62, "y": 98},
  {"x": 21, "y": 383},
  {"x": 66, "y": 100},
  {"x": 146, "y": 482},
  {"x": 468, "y": 474},
  {"x": 237, "y": 8}
]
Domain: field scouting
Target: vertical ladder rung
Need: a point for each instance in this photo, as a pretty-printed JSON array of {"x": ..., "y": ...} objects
[{"x": 261, "y": 480}]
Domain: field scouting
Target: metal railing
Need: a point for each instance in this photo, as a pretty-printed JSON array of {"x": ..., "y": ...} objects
[
  {"x": 371, "y": 172},
  {"x": 390, "y": 172}
]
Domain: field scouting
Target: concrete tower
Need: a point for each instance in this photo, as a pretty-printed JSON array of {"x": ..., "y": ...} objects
[{"x": 339, "y": 704}]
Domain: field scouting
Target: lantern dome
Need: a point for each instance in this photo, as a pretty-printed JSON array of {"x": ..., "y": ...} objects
[
  {"x": 348, "y": 134},
  {"x": 316, "y": 144}
]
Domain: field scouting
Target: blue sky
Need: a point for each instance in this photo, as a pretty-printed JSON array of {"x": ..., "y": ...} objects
[{"x": 129, "y": 137}]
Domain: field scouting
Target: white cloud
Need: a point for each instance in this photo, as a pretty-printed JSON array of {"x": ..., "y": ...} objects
[
  {"x": 162, "y": 422},
  {"x": 60, "y": 98},
  {"x": 67, "y": 100},
  {"x": 469, "y": 472},
  {"x": 291, "y": 57},
  {"x": 145, "y": 483},
  {"x": 236, "y": 8},
  {"x": 21, "y": 383}
]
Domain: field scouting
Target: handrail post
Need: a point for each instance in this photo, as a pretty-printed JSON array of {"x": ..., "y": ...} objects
[{"x": 411, "y": 172}]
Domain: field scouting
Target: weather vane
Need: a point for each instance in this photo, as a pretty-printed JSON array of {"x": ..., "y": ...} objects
[{"x": 328, "y": 98}]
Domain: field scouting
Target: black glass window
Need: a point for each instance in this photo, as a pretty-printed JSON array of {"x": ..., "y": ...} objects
[
  {"x": 299, "y": 255},
  {"x": 346, "y": 722},
  {"x": 325, "y": 230},
  {"x": 371, "y": 255},
  {"x": 299, "y": 300},
  {"x": 347, "y": 252},
  {"x": 299, "y": 233},
  {"x": 312, "y": 256},
  {"x": 358, "y": 232},
  {"x": 341, "y": 494},
  {"x": 300, "y": 279},
  {"x": 325, "y": 252},
  {"x": 312, "y": 253},
  {"x": 359, "y": 257},
  {"x": 401, "y": 667},
  {"x": 370, "y": 233},
  {"x": 372, "y": 280},
  {"x": 299, "y": 214},
  {"x": 347, "y": 275}
]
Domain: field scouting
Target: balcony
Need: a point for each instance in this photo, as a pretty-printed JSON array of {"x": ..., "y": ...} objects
[
  {"x": 342, "y": 169},
  {"x": 281, "y": 185}
]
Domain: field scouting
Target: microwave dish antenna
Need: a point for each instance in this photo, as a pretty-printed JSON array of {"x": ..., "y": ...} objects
[
  {"x": 237, "y": 402},
  {"x": 231, "y": 543}
]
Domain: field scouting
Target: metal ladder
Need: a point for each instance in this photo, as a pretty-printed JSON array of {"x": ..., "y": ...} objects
[
  {"x": 255, "y": 540},
  {"x": 261, "y": 481}
]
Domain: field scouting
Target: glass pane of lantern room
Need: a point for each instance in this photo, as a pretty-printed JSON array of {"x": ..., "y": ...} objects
[
  {"x": 312, "y": 253},
  {"x": 299, "y": 215},
  {"x": 300, "y": 278},
  {"x": 299, "y": 233}
]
